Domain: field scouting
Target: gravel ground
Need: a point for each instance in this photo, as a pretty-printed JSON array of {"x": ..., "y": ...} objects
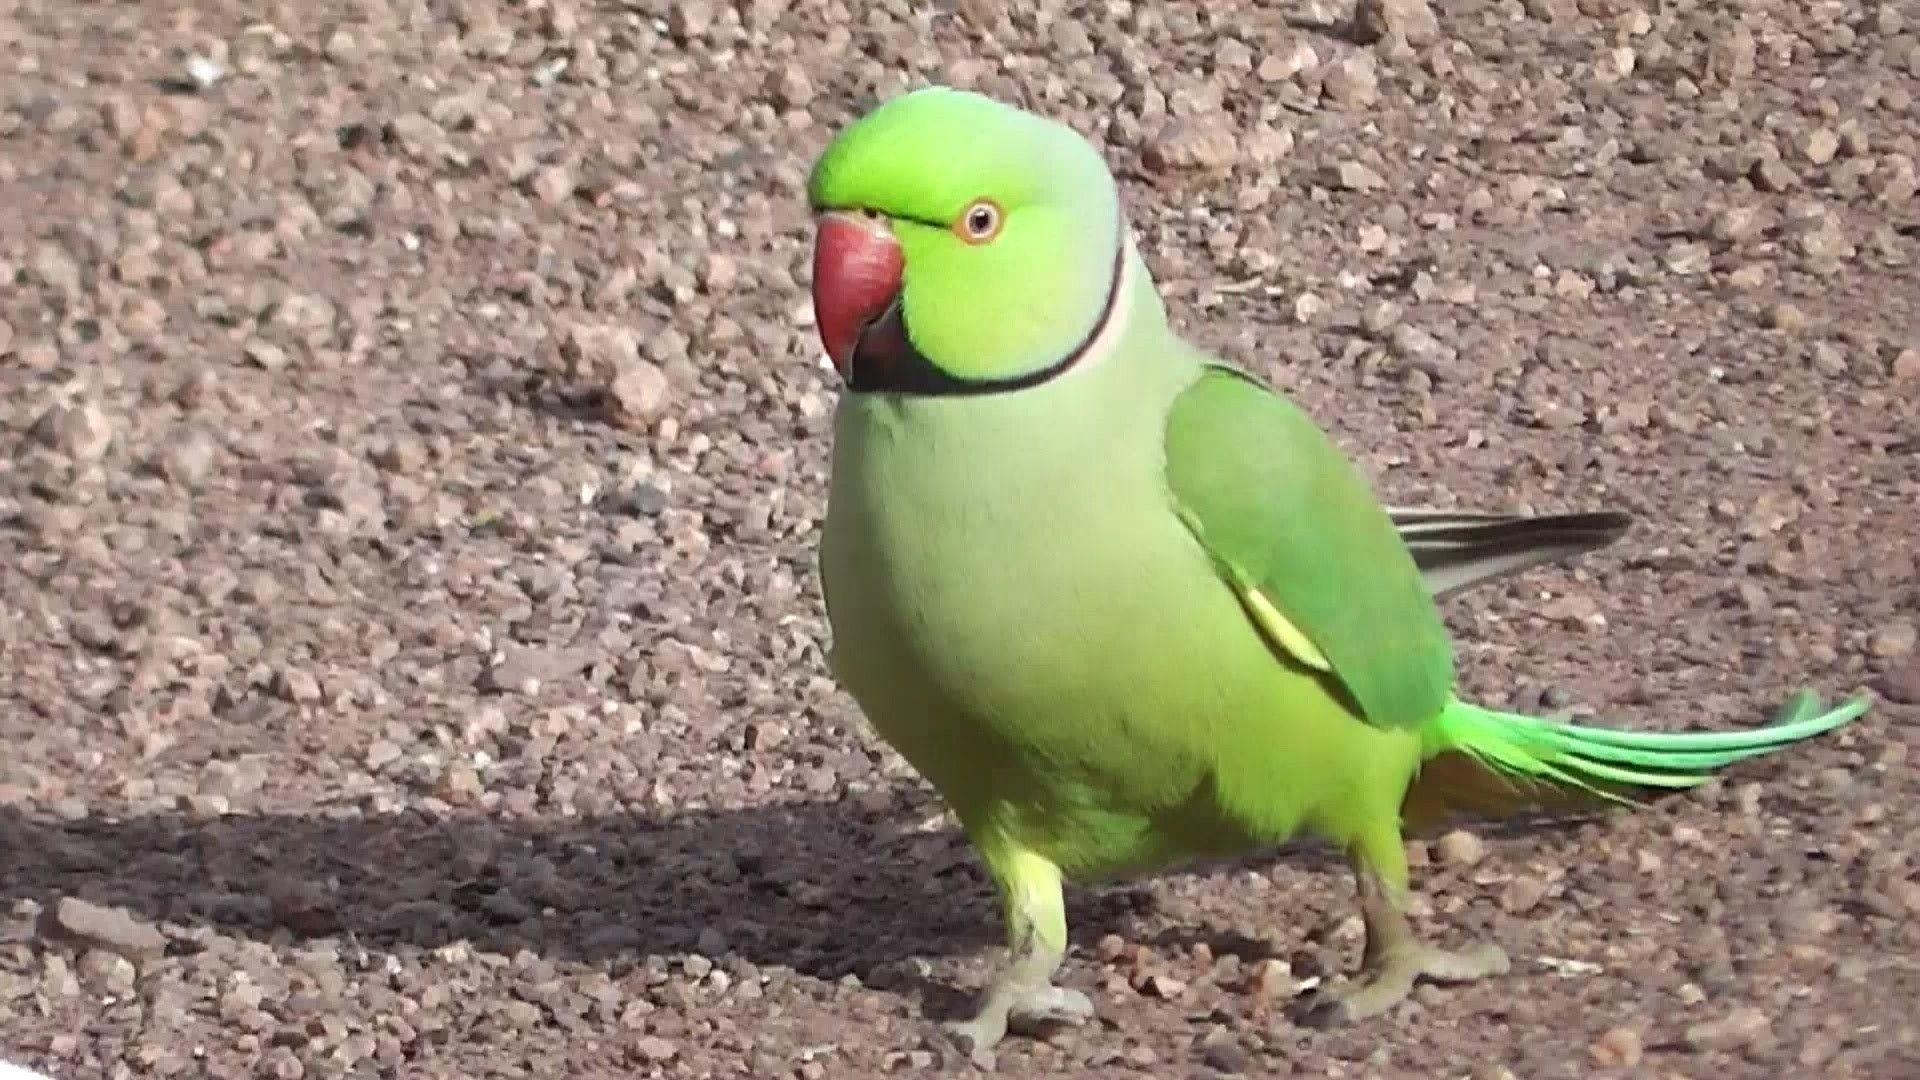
[{"x": 414, "y": 445}]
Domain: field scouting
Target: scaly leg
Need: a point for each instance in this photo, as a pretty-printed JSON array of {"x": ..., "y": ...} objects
[
  {"x": 1395, "y": 958},
  {"x": 1023, "y": 998}
]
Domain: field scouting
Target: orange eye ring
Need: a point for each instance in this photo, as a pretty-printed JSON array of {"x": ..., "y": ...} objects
[{"x": 980, "y": 222}]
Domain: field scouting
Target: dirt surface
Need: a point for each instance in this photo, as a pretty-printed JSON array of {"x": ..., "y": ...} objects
[{"x": 414, "y": 443}]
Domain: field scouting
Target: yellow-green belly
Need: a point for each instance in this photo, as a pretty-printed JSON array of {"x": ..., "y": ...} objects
[{"x": 1030, "y": 625}]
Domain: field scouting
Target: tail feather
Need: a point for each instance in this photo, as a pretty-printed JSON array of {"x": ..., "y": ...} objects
[
  {"x": 1456, "y": 550},
  {"x": 1485, "y": 761}
]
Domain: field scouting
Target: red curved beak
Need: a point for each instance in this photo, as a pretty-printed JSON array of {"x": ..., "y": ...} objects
[{"x": 857, "y": 268}]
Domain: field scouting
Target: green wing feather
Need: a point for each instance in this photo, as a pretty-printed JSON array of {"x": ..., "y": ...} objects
[{"x": 1295, "y": 529}]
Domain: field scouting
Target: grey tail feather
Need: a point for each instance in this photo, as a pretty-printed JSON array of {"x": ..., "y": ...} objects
[{"x": 1456, "y": 550}]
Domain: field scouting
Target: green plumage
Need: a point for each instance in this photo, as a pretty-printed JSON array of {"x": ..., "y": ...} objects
[
  {"x": 1145, "y": 610},
  {"x": 1270, "y": 498}
]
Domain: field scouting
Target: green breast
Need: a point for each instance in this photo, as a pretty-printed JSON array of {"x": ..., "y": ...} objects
[{"x": 1017, "y": 610}]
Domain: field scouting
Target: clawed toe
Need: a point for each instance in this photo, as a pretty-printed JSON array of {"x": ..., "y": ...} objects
[
  {"x": 1388, "y": 982},
  {"x": 1050, "y": 1007},
  {"x": 968, "y": 1037},
  {"x": 1032, "y": 1013}
]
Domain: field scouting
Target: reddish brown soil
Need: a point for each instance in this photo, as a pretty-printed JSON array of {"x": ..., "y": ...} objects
[{"x": 413, "y": 447}]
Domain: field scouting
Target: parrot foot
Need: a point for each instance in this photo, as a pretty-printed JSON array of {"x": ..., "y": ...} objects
[
  {"x": 969, "y": 1037},
  {"x": 1030, "y": 1012},
  {"x": 1388, "y": 981},
  {"x": 1039, "y": 1011},
  {"x": 1395, "y": 960},
  {"x": 1022, "y": 997}
]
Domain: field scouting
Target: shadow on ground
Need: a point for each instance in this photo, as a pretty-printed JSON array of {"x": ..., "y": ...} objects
[{"x": 824, "y": 888}]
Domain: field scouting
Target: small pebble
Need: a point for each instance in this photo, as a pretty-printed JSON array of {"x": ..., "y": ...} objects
[{"x": 1460, "y": 848}]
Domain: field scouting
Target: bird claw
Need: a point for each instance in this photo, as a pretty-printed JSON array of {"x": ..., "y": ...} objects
[
  {"x": 1047, "y": 1008},
  {"x": 1388, "y": 982},
  {"x": 970, "y": 1037},
  {"x": 1032, "y": 1013}
]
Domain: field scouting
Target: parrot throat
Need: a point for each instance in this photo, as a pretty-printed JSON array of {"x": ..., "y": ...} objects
[{"x": 886, "y": 362}]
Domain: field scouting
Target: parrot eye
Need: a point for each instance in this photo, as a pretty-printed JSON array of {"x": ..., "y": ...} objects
[{"x": 981, "y": 222}]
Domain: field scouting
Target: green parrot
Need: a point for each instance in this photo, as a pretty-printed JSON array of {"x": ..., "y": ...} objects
[{"x": 1121, "y": 604}]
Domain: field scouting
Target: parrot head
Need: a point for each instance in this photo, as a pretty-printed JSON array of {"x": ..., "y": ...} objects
[{"x": 962, "y": 246}]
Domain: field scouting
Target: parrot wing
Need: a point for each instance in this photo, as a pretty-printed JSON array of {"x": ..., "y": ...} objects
[{"x": 1294, "y": 528}]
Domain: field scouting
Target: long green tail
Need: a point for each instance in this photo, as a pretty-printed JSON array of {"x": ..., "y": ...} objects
[{"x": 1541, "y": 763}]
